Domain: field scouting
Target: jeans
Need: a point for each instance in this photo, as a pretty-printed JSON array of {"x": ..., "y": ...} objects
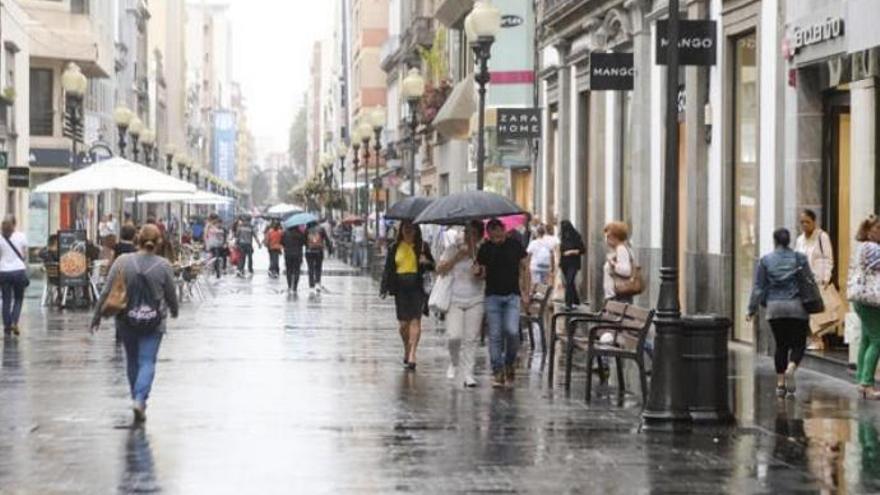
[
  {"x": 358, "y": 254},
  {"x": 140, "y": 356},
  {"x": 247, "y": 255},
  {"x": 293, "y": 265},
  {"x": 12, "y": 285},
  {"x": 869, "y": 347},
  {"x": 217, "y": 254},
  {"x": 540, "y": 275},
  {"x": 463, "y": 324},
  {"x": 502, "y": 313},
  {"x": 790, "y": 335},
  {"x": 274, "y": 267},
  {"x": 315, "y": 263},
  {"x": 571, "y": 292}
]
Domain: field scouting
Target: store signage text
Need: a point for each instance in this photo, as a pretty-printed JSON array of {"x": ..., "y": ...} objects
[
  {"x": 514, "y": 123},
  {"x": 818, "y": 32},
  {"x": 696, "y": 45},
  {"x": 511, "y": 21},
  {"x": 612, "y": 71},
  {"x": 18, "y": 177}
]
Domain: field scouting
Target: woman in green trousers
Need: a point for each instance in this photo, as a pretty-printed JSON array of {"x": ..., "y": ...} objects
[{"x": 863, "y": 290}]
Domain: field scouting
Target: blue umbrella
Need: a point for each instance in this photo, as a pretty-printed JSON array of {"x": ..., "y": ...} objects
[{"x": 299, "y": 219}]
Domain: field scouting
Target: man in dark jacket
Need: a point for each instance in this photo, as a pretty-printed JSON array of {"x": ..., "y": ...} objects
[{"x": 293, "y": 241}]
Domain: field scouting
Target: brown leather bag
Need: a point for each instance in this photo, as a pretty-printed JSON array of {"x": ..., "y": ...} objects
[
  {"x": 632, "y": 285},
  {"x": 117, "y": 299}
]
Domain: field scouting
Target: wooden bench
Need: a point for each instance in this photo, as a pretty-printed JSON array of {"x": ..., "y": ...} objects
[
  {"x": 612, "y": 312},
  {"x": 535, "y": 313},
  {"x": 629, "y": 336}
]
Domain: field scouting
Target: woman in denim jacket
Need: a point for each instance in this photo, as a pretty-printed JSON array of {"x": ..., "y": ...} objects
[{"x": 776, "y": 289}]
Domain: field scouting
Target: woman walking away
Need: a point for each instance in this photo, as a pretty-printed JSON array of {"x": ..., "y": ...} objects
[
  {"x": 776, "y": 288},
  {"x": 572, "y": 249},
  {"x": 465, "y": 316},
  {"x": 618, "y": 262},
  {"x": 316, "y": 240},
  {"x": 815, "y": 244},
  {"x": 863, "y": 290},
  {"x": 293, "y": 240},
  {"x": 405, "y": 266},
  {"x": 273, "y": 243},
  {"x": 542, "y": 256},
  {"x": 151, "y": 297},
  {"x": 13, "y": 274},
  {"x": 215, "y": 241}
]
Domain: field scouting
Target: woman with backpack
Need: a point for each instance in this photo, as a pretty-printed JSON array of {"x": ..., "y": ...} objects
[
  {"x": 316, "y": 240},
  {"x": 407, "y": 262},
  {"x": 863, "y": 290},
  {"x": 143, "y": 298},
  {"x": 777, "y": 289}
]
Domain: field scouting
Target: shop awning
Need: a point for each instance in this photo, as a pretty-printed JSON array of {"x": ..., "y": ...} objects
[{"x": 454, "y": 118}]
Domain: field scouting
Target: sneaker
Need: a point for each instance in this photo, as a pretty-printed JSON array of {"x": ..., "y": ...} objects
[
  {"x": 780, "y": 391},
  {"x": 510, "y": 376},
  {"x": 790, "y": 382},
  {"x": 450, "y": 372},
  {"x": 15, "y": 330},
  {"x": 469, "y": 382},
  {"x": 140, "y": 412},
  {"x": 498, "y": 379}
]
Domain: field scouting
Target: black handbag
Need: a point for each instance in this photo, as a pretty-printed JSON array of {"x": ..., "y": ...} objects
[{"x": 808, "y": 290}]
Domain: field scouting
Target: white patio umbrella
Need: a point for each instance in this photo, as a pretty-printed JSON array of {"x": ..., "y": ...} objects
[
  {"x": 115, "y": 174},
  {"x": 283, "y": 209},
  {"x": 196, "y": 198}
]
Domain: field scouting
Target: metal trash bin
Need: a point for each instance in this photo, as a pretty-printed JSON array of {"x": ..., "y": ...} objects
[{"x": 704, "y": 357}]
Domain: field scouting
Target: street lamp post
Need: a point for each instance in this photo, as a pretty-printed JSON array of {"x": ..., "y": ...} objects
[
  {"x": 413, "y": 90},
  {"x": 482, "y": 24},
  {"x": 169, "y": 158},
  {"x": 135, "y": 128},
  {"x": 355, "y": 147},
  {"x": 122, "y": 116},
  {"x": 341, "y": 152},
  {"x": 666, "y": 408},
  {"x": 75, "y": 85},
  {"x": 148, "y": 139},
  {"x": 377, "y": 118},
  {"x": 366, "y": 132}
]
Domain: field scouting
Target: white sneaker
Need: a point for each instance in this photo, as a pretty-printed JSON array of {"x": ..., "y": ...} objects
[
  {"x": 450, "y": 372},
  {"x": 469, "y": 382}
]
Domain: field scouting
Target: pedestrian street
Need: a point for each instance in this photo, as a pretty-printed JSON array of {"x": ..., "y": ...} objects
[{"x": 258, "y": 391}]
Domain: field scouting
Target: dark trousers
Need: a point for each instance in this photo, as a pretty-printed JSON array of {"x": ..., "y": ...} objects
[
  {"x": 274, "y": 267},
  {"x": 12, "y": 285},
  {"x": 569, "y": 274},
  {"x": 293, "y": 265},
  {"x": 219, "y": 261},
  {"x": 247, "y": 256},
  {"x": 315, "y": 263},
  {"x": 791, "y": 341}
]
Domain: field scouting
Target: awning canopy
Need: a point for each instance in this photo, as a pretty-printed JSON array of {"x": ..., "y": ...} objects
[
  {"x": 196, "y": 198},
  {"x": 284, "y": 208},
  {"x": 115, "y": 174},
  {"x": 454, "y": 117}
]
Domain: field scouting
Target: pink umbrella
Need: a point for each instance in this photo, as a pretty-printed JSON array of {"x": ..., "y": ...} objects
[{"x": 512, "y": 222}]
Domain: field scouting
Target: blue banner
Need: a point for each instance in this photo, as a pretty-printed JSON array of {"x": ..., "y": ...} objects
[{"x": 223, "y": 153}]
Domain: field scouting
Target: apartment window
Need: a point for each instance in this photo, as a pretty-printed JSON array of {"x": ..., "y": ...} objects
[
  {"x": 444, "y": 184},
  {"x": 42, "y": 113},
  {"x": 79, "y": 6}
]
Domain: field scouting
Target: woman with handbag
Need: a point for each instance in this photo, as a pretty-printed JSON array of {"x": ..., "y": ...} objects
[
  {"x": 863, "y": 290},
  {"x": 777, "y": 288},
  {"x": 466, "y": 288},
  {"x": 620, "y": 269},
  {"x": 13, "y": 274},
  {"x": 815, "y": 244},
  {"x": 141, "y": 293},
  {"x": 407, "y": 262}
]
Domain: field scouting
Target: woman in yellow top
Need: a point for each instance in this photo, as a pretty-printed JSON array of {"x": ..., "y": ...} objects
[{"x": 408, "y": 259}]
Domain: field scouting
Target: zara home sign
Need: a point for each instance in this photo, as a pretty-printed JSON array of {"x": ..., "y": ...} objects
[
  {"x": 518, "y": 123},
  {"x": 697, "y": 42}
]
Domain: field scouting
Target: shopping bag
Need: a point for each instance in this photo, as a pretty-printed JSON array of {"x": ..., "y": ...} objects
[
  {"x": 828, "y": 319},
  {"x": 441, "y": 294}
]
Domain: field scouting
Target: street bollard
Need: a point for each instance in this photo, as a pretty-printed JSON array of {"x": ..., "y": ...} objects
[{"x": 704, "y": 349}]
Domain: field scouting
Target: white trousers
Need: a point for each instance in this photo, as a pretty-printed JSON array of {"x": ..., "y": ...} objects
[{"x": 463, "y": 325}]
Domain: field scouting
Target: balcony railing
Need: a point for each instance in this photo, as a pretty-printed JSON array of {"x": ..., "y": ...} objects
[{"x": 389, "y": 51}]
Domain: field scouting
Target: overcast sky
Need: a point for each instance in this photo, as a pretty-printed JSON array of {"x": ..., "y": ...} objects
[{"x": 272, "y": 43}]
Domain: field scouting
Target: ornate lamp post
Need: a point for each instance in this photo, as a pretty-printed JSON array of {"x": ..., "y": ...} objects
[
  {"x": 413, "y": 90},
  {"x": 148, "y": 140},
  {"x": 180, "y": 158},
  {"x": 482, "y": 24},
  {"x": 341, "y": 152},
  {"x": 122, "y": 116},
  {"x": 377, "y": 118},
  {"x": 169, "y": 158},
  {"x": 75, "y": 85},
  {"x": 365, "y": 130},
  {"x": 135, "y": 128},
  {"x": 355, "y": 149}
]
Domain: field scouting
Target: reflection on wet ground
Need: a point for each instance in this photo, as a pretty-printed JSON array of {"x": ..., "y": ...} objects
[{"x": 261, "y": 392}]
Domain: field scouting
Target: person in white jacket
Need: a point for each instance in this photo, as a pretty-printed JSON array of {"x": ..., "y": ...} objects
[{"x": 816, "y": 245}]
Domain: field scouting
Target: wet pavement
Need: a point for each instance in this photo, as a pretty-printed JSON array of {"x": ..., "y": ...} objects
[{"x": 258, "y": 391}]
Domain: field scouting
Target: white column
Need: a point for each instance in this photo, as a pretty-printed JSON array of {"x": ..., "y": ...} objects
[
  {"x": 863, "y": 157},
  {"x": 768, "y": 114},
  {"x": 612, "y": 159},
  {"x": 715, "y": 170},
  {"x": 657, "y": 135}
]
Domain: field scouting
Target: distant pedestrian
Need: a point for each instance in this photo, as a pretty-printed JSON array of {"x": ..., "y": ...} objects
[
  {"x": 13, "y": 274},
  {"x": 815, "y": 244},
  {"x": 317, "y": 240},
  {"x": 406, "y": 263},
  {"x": 464, "y": 319},
  {"x": 125, "y": 245},
  {"x": 542, "y": 256},
  {"x": 294, "y": 240},
  {"x": 863, "y": 290},
  {"x": 776, "y": 288},
  {"x": 359, "y": 245},
  {"x": 619, "y": 261},
  {"x": 151, "y": 296},
  {"x": 245, "y": 236},
  {"x": 215, "y": 242},
  {"x": 504, "y": 262},
  {"x": 273, "y": 243},
  {"x": 572, "y": 249}
]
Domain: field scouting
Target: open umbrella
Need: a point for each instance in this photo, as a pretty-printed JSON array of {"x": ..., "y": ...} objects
[
  {"x": 299, "y": 219},
  {"x": 196, "y": 198},
  {"x": 352, "y": 219},
  {"x": 461, "y": 208},
  {"x": 115, "y": 174},
  {"x": 408, "y": 209}
]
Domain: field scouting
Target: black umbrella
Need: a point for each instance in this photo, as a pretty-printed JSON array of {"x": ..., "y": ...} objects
[
  {"x": 408, "y": 209},
  {"x": 461, "y": 208}
]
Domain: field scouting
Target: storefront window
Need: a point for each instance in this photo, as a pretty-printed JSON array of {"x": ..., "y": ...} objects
[{"x": 745, "y": 160}]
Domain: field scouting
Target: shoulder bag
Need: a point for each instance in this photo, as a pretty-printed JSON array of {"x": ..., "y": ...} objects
[
  {"x": 632, "y": 285},
  {"x": 863, "y": 285},
  {"x": 117, "y": 299},
  {"x": 26, "y": 282},
  {"x": 808, "y": 291}
]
